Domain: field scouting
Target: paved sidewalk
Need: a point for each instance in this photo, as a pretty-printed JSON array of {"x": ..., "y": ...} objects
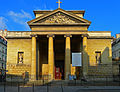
[{"x": 61, "y": 89}]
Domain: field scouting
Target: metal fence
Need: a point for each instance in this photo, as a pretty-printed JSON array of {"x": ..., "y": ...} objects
[{"x": 44, "y": 85}]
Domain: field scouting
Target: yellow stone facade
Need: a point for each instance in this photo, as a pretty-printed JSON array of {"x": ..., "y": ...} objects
[{"x": 48, "y": 45}]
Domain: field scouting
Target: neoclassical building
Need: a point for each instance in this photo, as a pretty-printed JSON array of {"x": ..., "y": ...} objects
[{"x": 47, "y": 50}]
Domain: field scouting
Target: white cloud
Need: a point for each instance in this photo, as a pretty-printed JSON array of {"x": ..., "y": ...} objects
[
  {"x": 21, "y": 18},
  {"x": 23, "y": 14},
  {"x": 3, "y": 22}
]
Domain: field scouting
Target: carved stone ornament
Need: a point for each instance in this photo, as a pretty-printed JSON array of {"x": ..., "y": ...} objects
[
  {"x": 20, "y": 57},
  {"x": 59, "y": 18}
]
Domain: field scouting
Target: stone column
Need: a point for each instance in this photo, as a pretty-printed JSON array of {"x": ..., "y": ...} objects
[
  {"x": 67, "y": 57},
  {"x": 85, "y": 55},
  {"x": 33, "y": 63},
  {"x": 51, "y": 57}
]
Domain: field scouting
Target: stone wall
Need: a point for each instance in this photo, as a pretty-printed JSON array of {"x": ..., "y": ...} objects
[
  {"x": 15, "y": 46},
  {"x": 104, "y": 46}
]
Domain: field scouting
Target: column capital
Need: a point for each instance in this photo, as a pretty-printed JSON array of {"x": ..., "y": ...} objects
[
  {"x": 50, "y": 35},
  {"x": 84, "y": 35},
  {"x": 34, "y": 35},
  {"x": 67, "y": 35}
]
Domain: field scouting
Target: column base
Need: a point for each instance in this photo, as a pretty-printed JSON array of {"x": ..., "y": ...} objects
[
  {"x": 67, "y": 76},
  {"x": 33, "y": 78},
  {"x": 50, "y": 77}
]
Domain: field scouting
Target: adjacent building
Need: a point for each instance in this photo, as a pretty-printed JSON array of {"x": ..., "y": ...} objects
[
  {"x": 116, "y": 55},
  {"x": 48, "y": 49},
  {"x": 116, "y": 48},
  {"x": 3, "y": 57}
]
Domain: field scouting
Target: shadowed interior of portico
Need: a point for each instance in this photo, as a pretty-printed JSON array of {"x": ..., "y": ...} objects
[{"x": 59, "y": 55}]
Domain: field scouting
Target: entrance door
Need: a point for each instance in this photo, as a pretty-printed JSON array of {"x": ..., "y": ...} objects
[
  {"x": 59, "y": 70},
  {"x": 57, "y": 73}
]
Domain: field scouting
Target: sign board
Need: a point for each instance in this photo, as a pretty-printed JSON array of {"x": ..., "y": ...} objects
[{"x": 76, "y": 59}]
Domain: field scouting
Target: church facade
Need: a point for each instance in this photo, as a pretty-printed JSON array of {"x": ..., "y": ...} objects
[{"x": 47, "y": 49}]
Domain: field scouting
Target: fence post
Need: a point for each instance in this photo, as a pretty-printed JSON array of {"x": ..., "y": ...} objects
[
  {"x": 61, "y": 87},
  {"x": 106, "y": 80},
  {"x": 47, "y": 88},
  {"x": 33, "y": 87},
  {"x": 75, "y": 82},
  {"x": 11, "y": 80},
  {"x": 4, "y": 86},
  {"x": 81, "y": 82},
  {"x": 94, "y": 78},
  {"x": 18, "y": 87},
  {"x": 43, "y": 81}
]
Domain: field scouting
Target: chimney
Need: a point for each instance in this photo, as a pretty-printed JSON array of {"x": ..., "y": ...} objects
[
  {"x": 5, "y": 30},
  {"x": 1, "y": 32},
  {"x": 117, "y": 35}
]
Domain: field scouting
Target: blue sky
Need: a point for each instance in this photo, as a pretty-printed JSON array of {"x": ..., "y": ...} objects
[{"x": 104, "y": 14}]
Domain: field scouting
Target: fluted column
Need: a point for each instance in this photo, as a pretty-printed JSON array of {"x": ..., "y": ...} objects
[
  {"x": 33, "y": 64},
  {"x": 51, "y": 56},
  {"x": 85, "y": 55},
  {"x": 67, "y": 56}
]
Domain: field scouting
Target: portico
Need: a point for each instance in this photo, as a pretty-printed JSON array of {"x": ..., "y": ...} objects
[{"x": 59, "y": 50}]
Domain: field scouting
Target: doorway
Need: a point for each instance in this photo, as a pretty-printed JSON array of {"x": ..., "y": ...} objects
[
  {"x": 59, "y": 69},
  {"x": 59, "y": 50}
]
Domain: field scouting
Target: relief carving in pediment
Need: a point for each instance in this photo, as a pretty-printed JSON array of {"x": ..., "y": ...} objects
[{"x": 59, "y": 18}]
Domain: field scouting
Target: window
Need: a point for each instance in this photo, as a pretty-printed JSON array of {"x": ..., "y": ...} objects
[
  {"x": 119, "y": 54},
  {"x": 20, "y": 57},
  {"x": 3, "y": 49},
  {"x": 98, "y": 57},
  {"x": 115, "y": 55},
  {"x": 2, "y": 65},
  {"x": 0, "y": 56},
  {"x": 3, "y": 57},
  {"x": 0, "y": 48}
]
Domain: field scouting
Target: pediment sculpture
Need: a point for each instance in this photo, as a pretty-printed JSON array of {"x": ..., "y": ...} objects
[{"x": 59, "y": 18}]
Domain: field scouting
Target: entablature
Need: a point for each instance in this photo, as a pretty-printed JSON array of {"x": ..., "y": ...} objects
[{"x": 91, "y": 35}]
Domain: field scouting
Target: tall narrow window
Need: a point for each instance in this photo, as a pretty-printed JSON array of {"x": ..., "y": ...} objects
[
  {"x": 0, "y": 56},
  {"x": 98, "y": 57},
  {"x": 3, "y": 57},
  {"x": 20, "y": 57},
  {"x": 2, "y": 65},
  {"x": 3, "y": 49},
  {"x": 119, "y": 54},
  {"x": 0, "y": 48}
]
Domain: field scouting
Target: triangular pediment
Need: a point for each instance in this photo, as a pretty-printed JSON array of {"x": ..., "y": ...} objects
[{"x": 59, "y": 16}]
